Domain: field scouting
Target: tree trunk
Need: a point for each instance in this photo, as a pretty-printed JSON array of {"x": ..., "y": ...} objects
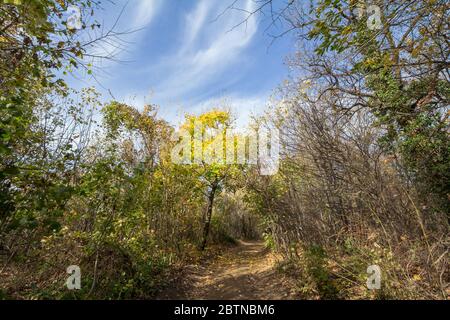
[{"x": 209, "y": 210}]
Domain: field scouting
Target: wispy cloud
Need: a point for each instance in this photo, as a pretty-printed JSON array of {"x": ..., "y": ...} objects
[
  {"x": 144, "y": 12},
  {"x": 209, "y": 46}
]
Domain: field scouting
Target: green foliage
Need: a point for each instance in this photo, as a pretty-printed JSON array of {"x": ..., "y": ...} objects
[
  {"x": 317, "y": 268},
  {"x": 425, "y": 146},
  {"x": 219, "y": 231},
  {"x": 36, "y": 44},
  {"x": 269, "y": 241}
]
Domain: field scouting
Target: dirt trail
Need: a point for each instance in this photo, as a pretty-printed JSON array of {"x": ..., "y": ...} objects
[{"x": 243, "y": 272}]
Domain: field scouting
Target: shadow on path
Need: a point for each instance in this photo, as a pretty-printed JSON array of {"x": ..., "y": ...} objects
[{"x": 243, "y": 272}]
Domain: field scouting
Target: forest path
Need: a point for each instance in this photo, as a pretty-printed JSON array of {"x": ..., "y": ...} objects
[{"x": 245, "y": 272}]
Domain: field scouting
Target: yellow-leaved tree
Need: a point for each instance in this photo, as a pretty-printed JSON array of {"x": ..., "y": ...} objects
[{"x": 203, "y": 146}]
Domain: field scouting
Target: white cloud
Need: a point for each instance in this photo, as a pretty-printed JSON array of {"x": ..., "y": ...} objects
[
  {"x": 194, "y": 21},
  {"x": 209, "y": 46},
  {"x": 243, "y": 108},
  {"x": 144, "y": 12}
]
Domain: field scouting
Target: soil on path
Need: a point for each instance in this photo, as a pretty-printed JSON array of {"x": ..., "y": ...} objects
[{"x": 245, "y": 272}]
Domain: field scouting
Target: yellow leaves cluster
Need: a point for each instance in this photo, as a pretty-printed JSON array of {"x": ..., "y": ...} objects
[{"x": 212, "y": 119}]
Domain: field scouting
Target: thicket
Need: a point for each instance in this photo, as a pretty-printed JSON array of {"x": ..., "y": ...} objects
[{"x": 363, "y": 177}]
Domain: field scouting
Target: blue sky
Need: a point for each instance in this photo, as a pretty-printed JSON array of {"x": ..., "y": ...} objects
[{"x": 189, "y": 58}]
